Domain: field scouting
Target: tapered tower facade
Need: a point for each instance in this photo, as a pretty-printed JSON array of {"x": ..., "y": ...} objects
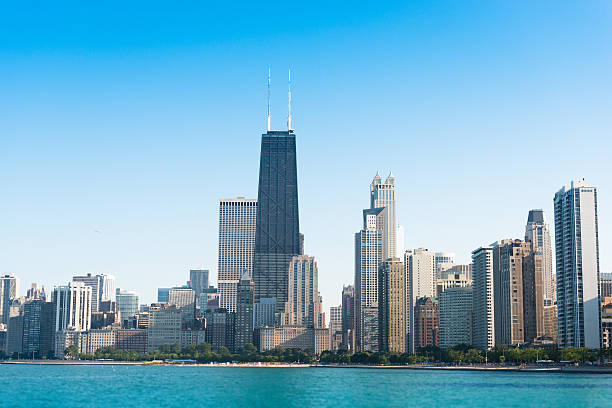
[{"x": 277, "y": 229}]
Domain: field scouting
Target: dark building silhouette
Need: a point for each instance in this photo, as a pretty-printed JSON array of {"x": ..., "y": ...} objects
[
  {"x": 243, "y": 333},
  {"x": 277, "y": 233}
]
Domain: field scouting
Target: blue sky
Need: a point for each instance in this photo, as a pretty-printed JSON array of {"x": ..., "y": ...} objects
[{"x": 122, "y": 125}]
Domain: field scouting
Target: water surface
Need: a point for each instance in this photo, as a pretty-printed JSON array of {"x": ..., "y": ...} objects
[{"x": 138, "y": 386}]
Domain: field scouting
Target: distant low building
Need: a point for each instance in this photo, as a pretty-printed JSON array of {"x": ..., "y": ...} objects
[
  {"x": 426, "y": 322},
  {"x": 164, "y": 326},
  {"x": 455, "y": 316},
  {"x": 131, "y": 340},
  {"x": 303, "y": 338}
]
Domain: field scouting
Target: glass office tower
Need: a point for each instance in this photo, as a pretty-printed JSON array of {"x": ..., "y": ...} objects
[{"x": 277, "y": 232}]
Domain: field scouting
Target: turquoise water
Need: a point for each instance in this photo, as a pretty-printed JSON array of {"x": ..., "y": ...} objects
[{"x": 136, "y": 386}]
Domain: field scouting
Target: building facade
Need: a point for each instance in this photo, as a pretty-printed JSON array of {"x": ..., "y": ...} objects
[
  {"x": 95, "y": 283},
  {"x": 127, "y": 303},
  {"x": 518, "y": 292},
  {"x": 368, "y": 256},
  {"x": 277, "y": 232},
  {"x": 426, "y": 322},
  {"x": 538, "y": 233},
  {"x": 303, "y": 338},
  {"x": 483, "y": 308},
  {"x": 577, "y": 259},
  {"x": 443, "y": 261},
  {"x": 237, "y": 223},
  {"x": 304, "y": 305},
  {"x": 420, "y": 282},
  {"x": 72, "y": 304},
  {"x": 164, "y": 326},
  {"x": 382, "y": 195},
  {"x": 455, "y": 316},
  {"x": 245, "y": 315},
  {"x": 392, "y": 305},
  {"x": 9, "y": 288},
  {"x": 198, "y": 281},
  {"x": 348, "y": 317}
]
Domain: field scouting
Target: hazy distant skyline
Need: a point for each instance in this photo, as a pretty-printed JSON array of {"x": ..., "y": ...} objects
[{"x": 122, "y": 125}]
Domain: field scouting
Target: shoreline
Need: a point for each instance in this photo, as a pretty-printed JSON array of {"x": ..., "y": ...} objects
[{"x": 508, "y": 369}]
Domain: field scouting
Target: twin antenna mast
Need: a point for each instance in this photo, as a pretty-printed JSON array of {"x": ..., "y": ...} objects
[{"x": 288, "y": 103}]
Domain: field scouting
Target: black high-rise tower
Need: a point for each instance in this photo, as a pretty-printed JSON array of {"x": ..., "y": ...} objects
[{"x": 277, "y": 233}]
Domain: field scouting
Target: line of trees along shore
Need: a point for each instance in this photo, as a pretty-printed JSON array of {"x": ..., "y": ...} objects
[
  {"x": 457, "y": 355},
  {"x": 462, "y": 354}
]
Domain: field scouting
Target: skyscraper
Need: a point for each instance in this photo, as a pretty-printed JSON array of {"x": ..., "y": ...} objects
[
  {"x": 426, "y": 322},
  {"x": 127, "y": 303},
  {"x": 538, "y": 233},
  {"x": 162, "y": 295},
  {"x": 420, "y": 282},
  {"x": 244, "y": 320},
  {"x": 368, "y": 256},
  {"x": 392, "y": 305},
  {"x": 443, "y": 262},
  {"x": 72, "y": 304},
  {"x": 94, "y": 282},
  {"x": 483, "y": 329},
  {"x": 198, "y": 281},
  {"x": 382, "y": 195},
  {"x": 348, "y": 317},
  {"x": 335, "y": 319},
  {"x": 455, "y": 316},
  {"x": 37, "y": 330},
  {"x": 303, "y": 307},
  {"x": 518, "y": 294},
  {"x": 237, "y": 220},
  {"x": 184, "y": 299},
  {"x": 277, "y": 232},
  {"x": 577, "y": 258},
  {"x": 9, "y": 288},
  {"x": 108, "y": 288}
]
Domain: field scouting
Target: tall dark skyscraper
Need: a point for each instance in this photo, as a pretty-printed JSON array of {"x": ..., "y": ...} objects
[{"x": 277, "y": 233}]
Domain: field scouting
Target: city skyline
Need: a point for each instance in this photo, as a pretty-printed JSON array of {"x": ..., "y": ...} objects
[{"x": 136, "y": 195}]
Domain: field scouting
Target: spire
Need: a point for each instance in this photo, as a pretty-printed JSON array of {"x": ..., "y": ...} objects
[
  {"x": 268, "y": 98},
  {"x": 289, "y": 104}
]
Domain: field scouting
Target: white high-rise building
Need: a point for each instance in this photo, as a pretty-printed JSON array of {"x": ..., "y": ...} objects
[
  {"x": 237, "y": 218},
  {"x": 577, "y": 258},
  {"x": 382, "y": 195},
  {"x": 420, "y": 281},
  {"x": 108, "y": 285},
  {"x": 368, "y": 256},
  {"x": 72, "y": 304},
  {"x": 483, "y": 311},
  {"x": 9, "y": 289}
]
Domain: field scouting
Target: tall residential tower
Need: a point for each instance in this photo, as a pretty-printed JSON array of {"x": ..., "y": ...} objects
[
  {"x": 577, "y": 257},
  {"x": 538, "y": 233},
  {"x": 236, "y": 246}
]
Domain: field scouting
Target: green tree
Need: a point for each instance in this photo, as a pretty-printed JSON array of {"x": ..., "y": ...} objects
[{"x": 71, "y": 351}]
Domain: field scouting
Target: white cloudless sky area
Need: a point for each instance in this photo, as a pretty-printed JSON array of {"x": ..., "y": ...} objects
[{"x": 120, "y": 132}]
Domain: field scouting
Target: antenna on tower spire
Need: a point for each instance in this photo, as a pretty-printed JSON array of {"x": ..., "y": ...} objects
[
  {"x": 268, "y": 98},
  {"x": 289, "y": 104}
]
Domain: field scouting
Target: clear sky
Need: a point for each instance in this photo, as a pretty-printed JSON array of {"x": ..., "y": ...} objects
[{"x": 122, "y": 125}]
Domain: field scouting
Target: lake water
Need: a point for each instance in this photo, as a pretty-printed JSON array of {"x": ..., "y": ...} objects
[{"x": 138, "y": 386}]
